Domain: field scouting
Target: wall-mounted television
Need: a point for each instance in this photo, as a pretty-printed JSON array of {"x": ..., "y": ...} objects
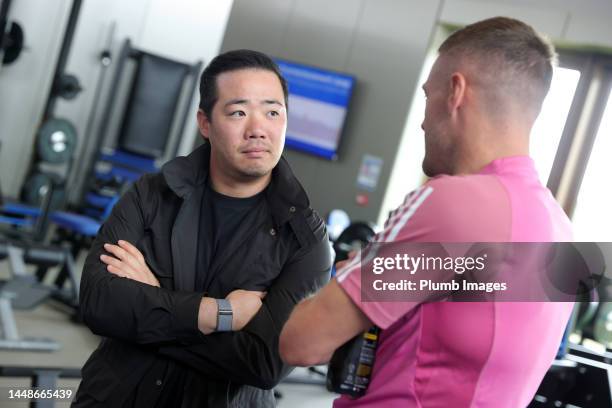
[{"x": 318, "y": 102}]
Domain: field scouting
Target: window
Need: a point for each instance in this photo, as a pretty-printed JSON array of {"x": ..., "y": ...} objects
[
  {"x": 548, "y": 128},
  {"x": 592, "y": 217}
]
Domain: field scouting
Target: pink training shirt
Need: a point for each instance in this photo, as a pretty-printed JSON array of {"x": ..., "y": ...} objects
[{"x": 447, "y": 354}]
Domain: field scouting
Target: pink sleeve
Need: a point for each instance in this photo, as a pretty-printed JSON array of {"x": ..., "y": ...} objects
[
  {"x": 382, "y": 314},
  {"x": 446, "y": 209}
]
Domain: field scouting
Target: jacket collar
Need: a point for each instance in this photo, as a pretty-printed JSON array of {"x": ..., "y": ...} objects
[{"x": 285, "y": 194}]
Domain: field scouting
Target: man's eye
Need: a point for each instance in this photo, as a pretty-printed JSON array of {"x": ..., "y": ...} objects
[
  {"x": 237, "y": 113},
  {"x": 273, "y": 113}
]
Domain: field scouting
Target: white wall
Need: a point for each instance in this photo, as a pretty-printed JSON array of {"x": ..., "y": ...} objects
[{"x": 24, "y": 83}]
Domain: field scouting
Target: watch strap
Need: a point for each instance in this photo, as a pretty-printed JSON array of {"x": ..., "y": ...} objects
[{"x": 224, "y": 315}]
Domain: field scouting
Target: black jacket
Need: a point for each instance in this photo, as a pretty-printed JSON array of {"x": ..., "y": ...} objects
[{"x": 284, "y": 250}]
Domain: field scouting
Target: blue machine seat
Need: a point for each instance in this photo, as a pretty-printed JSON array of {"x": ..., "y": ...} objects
[
  {"x": 20, "y": 209},
  {"x": 98, "y": 200},
  {"x": 16, "y": 221},
  {"x": 18, "y": 215},
  {"x": 81, "y": 224}
]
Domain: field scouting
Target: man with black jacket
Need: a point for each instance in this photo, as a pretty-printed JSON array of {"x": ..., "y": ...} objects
[{"x": 193, "y": 275}]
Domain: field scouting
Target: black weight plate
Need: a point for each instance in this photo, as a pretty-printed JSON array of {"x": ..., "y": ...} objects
[
  {"x": 56, "y": 141},
  {"x": 13, "y": 44},
  {"x": 35, "y": 188},
  {"x": 67, "y": 86}
]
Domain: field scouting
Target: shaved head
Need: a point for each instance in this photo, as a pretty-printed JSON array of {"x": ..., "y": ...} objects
[{"x": 507, "y": 61}]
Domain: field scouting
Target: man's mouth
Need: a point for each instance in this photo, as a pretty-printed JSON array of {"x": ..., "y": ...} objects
[{"x": 255, "y": 152}]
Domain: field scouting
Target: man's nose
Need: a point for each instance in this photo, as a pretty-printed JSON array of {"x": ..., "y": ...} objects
[{"x": 255, "y": 130}]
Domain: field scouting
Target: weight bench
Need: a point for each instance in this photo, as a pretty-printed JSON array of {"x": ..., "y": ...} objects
[{"x": 24, "y": 292}]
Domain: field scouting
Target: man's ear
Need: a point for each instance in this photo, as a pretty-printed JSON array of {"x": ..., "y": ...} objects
[
  {"x": 203, "y": 124},
  {"x": 457, "y": 92}
]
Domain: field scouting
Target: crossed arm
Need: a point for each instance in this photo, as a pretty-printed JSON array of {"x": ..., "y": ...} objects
[
  {"x": 168, "y": 322},
  {"x": 128, "y": 262}
]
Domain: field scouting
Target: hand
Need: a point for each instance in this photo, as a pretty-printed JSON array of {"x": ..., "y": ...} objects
[
  {"x": 128, "y": 262},
  {"x": 245, "y": 303}
]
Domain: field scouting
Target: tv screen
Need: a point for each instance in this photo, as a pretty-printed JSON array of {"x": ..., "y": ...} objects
[{"x": 318, "y": 101}]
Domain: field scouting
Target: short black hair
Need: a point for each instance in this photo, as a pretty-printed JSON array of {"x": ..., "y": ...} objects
[{"x": 231, "y": 61}]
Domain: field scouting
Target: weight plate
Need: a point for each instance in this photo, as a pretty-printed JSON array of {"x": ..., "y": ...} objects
[
  {"x": 56, "y": 141},
  {"x": 37, "y": 185},
  {"x": 67, "y": 86},
  {"x": 13, "y": 44}
]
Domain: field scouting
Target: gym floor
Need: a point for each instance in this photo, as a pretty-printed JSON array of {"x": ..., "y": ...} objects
[{"x": 77, "y": 342}]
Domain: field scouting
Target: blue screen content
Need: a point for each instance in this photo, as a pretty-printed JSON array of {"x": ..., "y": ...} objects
[{"x": 318, "y": 101}]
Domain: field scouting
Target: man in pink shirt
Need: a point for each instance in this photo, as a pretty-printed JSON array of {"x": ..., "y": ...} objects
[{"x": 483, "y": 94}]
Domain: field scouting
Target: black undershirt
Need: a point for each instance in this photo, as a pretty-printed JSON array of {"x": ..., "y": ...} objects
[{"x": 220, "y": 218}]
